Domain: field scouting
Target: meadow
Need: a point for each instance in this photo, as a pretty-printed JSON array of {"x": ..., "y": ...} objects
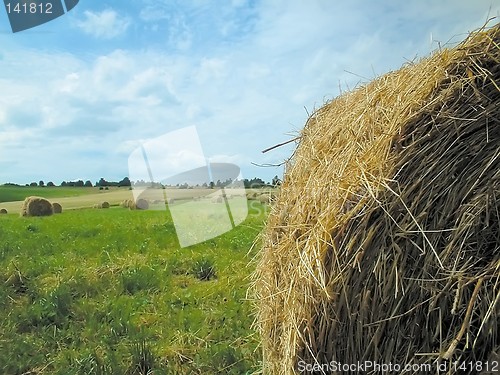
[{"x": 111, "y": 292}]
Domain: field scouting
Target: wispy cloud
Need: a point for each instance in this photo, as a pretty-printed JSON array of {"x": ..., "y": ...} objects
[{"x": 106, "y": 24}]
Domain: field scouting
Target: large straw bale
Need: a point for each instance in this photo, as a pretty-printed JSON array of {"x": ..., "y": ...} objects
[
  {"x": 3, "y": 211},
  {"x": 36, "y": 206},
  {"x": 384, "y": 243}
]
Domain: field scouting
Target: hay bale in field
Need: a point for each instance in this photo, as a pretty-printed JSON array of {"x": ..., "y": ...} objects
[
  {"x": 264, "y": 199},
  {"x": 384, "y": 244},
  {"x": 3, "y": 211},
  {"x": 36, "y": 206},
  {"x": 57, "y": 208},
  {"x": 124, "y": 203},
  {"x": 217, "y": 199},
  {"x": 142, "y": 204},
  {"x": 101, "y": 205}
]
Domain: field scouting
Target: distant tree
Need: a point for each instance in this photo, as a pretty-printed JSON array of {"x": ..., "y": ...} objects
[
  {"x": 88, "y": 183},
  {"x": 79, "y": 183},
  {"x": 50, "y": 184},
  {"x": 125, "y": 182},
  {"x": 33, "y": 184},
  {"x": 64, "y": 183},
  {"x": 212, "y": 184},
  {"x": 276, "y": 181},
  {"x": 254, "y": 183},
  {"x": 204, "y": 185},
  {"x": 41, "y": 183}
]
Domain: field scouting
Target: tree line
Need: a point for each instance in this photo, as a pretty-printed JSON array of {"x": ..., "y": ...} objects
[{"x": 125, "y": 182}]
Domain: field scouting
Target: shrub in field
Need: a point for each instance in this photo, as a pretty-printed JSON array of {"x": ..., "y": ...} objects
[
  {"x": 143, "y": 359},
  {"x": 36, "y": 206},
  {"x": 138, "y": 278},
  {"x": 204, "y": 269}
]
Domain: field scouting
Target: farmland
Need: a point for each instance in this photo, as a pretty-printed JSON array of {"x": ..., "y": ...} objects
[{"x": 111, "y": 292}]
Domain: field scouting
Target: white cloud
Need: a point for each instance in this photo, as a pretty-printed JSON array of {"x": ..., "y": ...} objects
[{"x": 107, "y": 24}]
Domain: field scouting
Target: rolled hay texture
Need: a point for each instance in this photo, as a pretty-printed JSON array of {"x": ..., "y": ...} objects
[
  {"x": 3, "y": 211},
  {"x": 57, "y": 208},
  {"x": 142, "y": 204},
  {"x": 36, "y": 206},
  {"x": 384, "y": 242}
]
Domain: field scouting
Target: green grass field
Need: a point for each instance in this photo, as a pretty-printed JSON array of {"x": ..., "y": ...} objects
[{"x": 111, "y": 292}]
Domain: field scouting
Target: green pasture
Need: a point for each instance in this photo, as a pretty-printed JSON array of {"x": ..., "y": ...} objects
[{"x": 111, "y": 292}]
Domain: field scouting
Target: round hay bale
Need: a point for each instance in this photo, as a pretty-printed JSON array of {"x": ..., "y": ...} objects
[
  {"x": 104, "y": 205},
  {"x": 217, "y": 199},
  {"x": 36, "y": 206},
  {"x": 264, "y": 198},
  {"x": 385, "y": 243},
  {"x": 131, "y": 205},
  {"x": 57, "y": 208},
  {"x": 3, "y": 211},
  {"x": 142, "y": 204}
]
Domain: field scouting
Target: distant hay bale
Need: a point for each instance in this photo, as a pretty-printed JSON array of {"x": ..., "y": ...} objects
[
  {"x": 57, "y": 208},
  {"x": 101, "y": 205},
  {"x": 36, "y": 206},
  {"x": 264, "y": 198},
  {"x": 384, "y": 244},
  {"x": 142, "y": 204},
  {"x": 217, "y": 199},
  {"x": 3, "y": 211}
]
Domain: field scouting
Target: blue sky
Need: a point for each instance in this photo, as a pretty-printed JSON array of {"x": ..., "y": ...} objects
[{"x": 81, "y": 93}]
